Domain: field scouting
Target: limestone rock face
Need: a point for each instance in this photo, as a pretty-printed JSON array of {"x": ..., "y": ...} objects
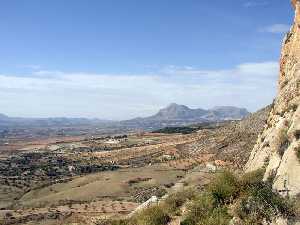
[{"x": 277, "y": 146}]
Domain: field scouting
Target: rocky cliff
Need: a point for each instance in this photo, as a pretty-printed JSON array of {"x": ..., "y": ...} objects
[{"x": 278, "y": 147}]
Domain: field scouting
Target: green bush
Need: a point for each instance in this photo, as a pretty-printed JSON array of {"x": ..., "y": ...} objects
[
  {"x": 218, "y": 216},
  {"x": 154, "y": 215},
  {"x": 174, "y": 201},
  {"x": 224, "y": 188},
  {"x": 254, "y": 201},
  {"x": 199, "y": 208},
  {"x": 260, "y": 202},
  {"x": 206, "y": 211},
  {"x": 257, "y": 201},
  {"x": 249, "y": 179}
]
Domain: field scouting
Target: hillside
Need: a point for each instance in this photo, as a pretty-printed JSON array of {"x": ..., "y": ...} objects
[{"x": 231, "y": 143}]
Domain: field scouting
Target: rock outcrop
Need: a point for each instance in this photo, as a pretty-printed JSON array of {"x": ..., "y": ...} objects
[{"x": 278, "y": 146}]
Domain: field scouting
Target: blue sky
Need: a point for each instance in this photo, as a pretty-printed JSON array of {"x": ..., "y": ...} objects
[{"x": 118, "y": 59}]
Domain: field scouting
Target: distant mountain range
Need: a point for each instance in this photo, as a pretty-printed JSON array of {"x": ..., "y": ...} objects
[
  {"x": 6, "y": 121},
  {"x": 173, "y": 115},
  {"x": 2, "y": 116},
  {"x": 179, "y": 115}
]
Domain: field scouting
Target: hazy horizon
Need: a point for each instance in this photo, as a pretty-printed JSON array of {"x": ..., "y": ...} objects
[
  {"x": 108, "y": 119},
  {"x": 120, "y": 60}
]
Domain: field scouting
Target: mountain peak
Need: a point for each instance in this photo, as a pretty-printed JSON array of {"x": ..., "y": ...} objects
[
  {"x": 175, "y": 105},
  {"x": 172, "y": 104},
  {"x": 3, "y": 116},
  {"x": 173, "y": 111}
]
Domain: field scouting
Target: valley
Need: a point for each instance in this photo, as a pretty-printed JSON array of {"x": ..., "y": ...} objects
[{"x": 91, "y": 177}]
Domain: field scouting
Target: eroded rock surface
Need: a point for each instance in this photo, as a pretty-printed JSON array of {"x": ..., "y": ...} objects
[{"x": 278, "y": 145}]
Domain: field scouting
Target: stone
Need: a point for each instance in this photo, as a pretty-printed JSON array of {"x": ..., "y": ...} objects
[{"x": 277, "y": 145}]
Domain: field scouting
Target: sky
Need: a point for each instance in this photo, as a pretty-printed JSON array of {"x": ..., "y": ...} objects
[{"x": 119, "y": 59}]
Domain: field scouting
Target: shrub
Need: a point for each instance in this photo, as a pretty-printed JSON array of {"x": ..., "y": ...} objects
[
  {"x": 199, "y": 208},
  {"x": 284, "y": 141},
  {"x": 224, "y": 188},
  {"x": 298, "y": 152},
  {"x": 114, "y": 222},
  {"x": 254, "y": 201},
  {"x": 206, "y": 211},
  {"x": 218, "y": 216},
  {"x": 250, "y": 179},
  {"x": 296, "y": 204},
  {"x": 297, "y": 134},
  {"x": 260, "y": 202},
  {"x": 174, "y": 201},
  {"x": 154, "y": 215}
]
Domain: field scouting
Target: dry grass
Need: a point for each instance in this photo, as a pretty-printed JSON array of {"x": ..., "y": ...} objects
[{"x": 111, "y": 184}]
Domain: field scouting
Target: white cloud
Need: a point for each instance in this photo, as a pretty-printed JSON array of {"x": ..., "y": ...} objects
[
  {"x": 251, "y": 4},
  {"x": 258, "y": 69},
  {"x": 122, "y": 96},
  {"x": 276, "y": 28}
]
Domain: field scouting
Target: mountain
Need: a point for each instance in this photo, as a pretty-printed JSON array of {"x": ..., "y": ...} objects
[
  {"x": 179, "y": 115},
  {"x": 178, "y": 112},
  {"x": 278, "y": 146},
  {"x": 3, "y": 117},
  {"x": 182, "y": 112},
  {"x": 229, "y": 112},
  {"x": 6, "y": 121}
]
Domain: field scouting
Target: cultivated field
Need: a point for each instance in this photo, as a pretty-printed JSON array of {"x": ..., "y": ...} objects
[{"x": 68, "y": 180}]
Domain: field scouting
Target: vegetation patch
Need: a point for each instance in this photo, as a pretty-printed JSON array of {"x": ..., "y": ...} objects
[
  {"x": 253, "y": 201},
  {"x": 160, "y": 214},
  {"x": 250, "y": 200},
  {"x": 138, "y": 180},
  {"x": 298, "y": 152},
  {"x": 297, "y": 134},
  {"x": 154, "y": 215},
  {"x": 142, "y": 194},
  {"x": 224, "y": 188},
  {"x": 175, "y": 130},
  {"x": 284, "y": 142},
  {"x": 206, "y": 210},
  {"x": 176, "y": 200}
]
